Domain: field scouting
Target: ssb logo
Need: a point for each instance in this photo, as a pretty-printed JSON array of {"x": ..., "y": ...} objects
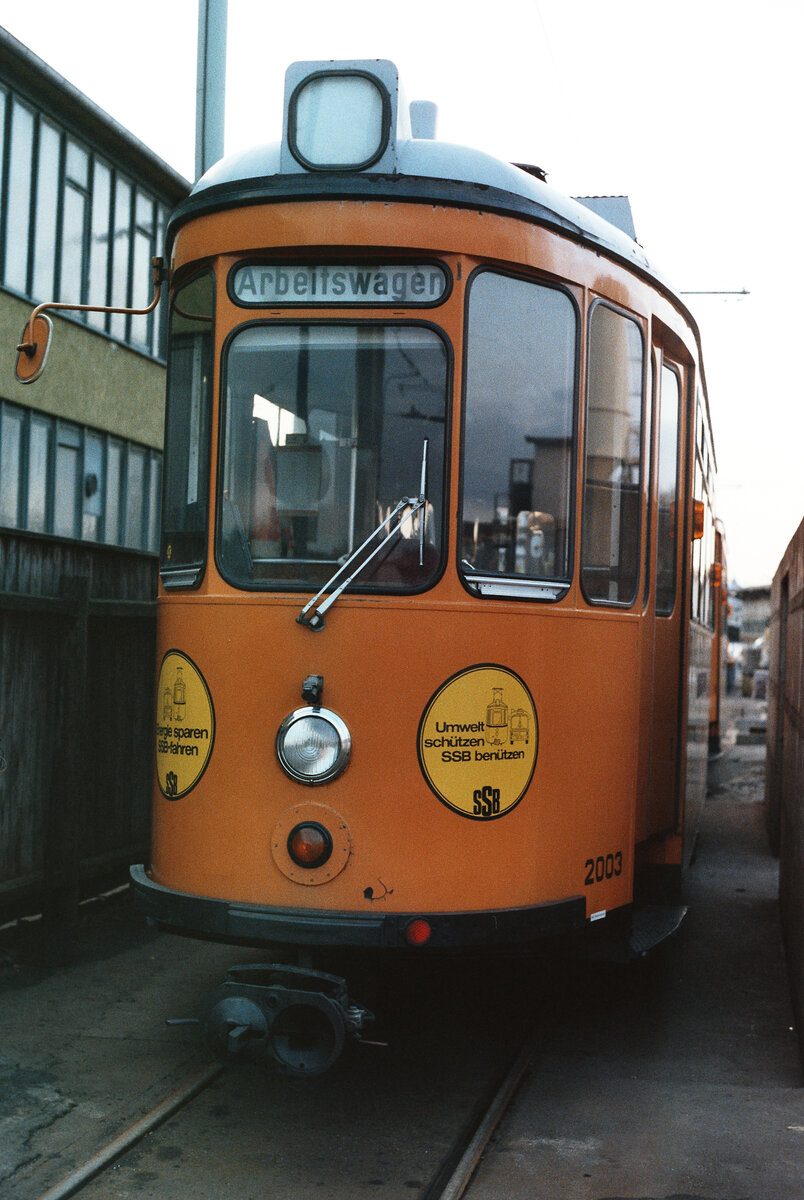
[{"x": 486, "y": 801}]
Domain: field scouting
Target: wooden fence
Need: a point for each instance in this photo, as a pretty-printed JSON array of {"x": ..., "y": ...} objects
[
  {"x": 77, "y": 662},
  {"x": 784, "y": 781}
]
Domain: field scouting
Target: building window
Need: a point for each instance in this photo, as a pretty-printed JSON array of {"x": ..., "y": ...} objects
[
  {"x": 40, "y": 436},
  {"x": 135, "y": 497},
  {"x": 2, "y": 136},
  {"x": 114, "y": 491},
  {"x": 93, "y": 478},
  {"x": 67, "y": 479},
  {"x": 121, "y": 246},
  {"x": 99, "y": 241},
  {"x": 47, "y": 210},
  {"x": 141, "y": 287},
  {"x": 10, "y": 462},
  {"x": 61, "y": 478},
  {"x": 73, "y": 228},
  {"x": 18, "y": 198}
]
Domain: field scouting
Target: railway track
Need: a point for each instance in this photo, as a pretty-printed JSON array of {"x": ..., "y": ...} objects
[
  {"x": 455, "y": 1174},
  {"x": 78, "y": 1179},
  {"x": 449, "y": 1182}
]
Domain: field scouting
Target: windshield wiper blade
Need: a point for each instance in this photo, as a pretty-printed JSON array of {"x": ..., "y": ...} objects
[
  {"x": 312, "y": 615},
  {"x": 422, "y": 500}
]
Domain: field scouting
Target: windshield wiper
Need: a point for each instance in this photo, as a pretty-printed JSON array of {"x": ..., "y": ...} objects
[{"x": 312, "y": 615}]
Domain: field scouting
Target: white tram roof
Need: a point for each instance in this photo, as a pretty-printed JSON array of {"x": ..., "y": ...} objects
[{"x": 331, "y": 113}]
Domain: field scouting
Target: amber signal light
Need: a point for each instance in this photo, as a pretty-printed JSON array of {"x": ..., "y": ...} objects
[
  {"x": 698, "y": 520},
  {"x": 309, "y": 845}
]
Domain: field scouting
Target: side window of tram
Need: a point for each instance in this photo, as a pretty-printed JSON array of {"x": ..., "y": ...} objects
[
  {"x": 668, "y": 493},
  {"x": 189, "y": 398},
  {"x": 613, "y": 470},
  {"x": 703, "y": 549},
  {"x": 519, "y": 429}
]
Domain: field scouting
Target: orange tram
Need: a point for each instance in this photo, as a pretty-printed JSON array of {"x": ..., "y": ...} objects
[{"x": 439, "y": 587}]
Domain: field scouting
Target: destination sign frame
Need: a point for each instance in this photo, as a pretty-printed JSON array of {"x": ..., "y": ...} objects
[{"x": 349, "y": 285}]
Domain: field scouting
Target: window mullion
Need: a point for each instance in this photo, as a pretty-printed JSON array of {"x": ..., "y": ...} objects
[{"x": 57, "y": 257}]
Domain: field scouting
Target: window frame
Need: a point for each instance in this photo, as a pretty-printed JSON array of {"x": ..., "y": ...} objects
[
  {"x": 639, "y": 322},
  {"x": 182, "y": 581},
  {"x": 674, "y": 368},
  {"x": 702, "y": 550},
  {"x": 388, "y": 319},
  {"x": 332, "y": 266},
  {"x": 510, "y": 586}
]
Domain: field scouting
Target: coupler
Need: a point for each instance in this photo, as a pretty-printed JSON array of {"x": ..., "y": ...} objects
[{"x": 296, "y": 1018}]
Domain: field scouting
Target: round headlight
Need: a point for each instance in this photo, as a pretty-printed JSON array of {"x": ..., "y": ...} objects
[{"x": 313, "y": 745}]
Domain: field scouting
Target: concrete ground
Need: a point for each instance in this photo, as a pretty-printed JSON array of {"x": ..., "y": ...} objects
[
  {"x": 84, "y": 1051},
  {"x": 680, "y": 1078}
]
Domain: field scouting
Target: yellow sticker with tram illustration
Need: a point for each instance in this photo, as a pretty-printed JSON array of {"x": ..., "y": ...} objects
[
  {"x": 185, "y": 725},
  {"x": 478, "y": 741}
]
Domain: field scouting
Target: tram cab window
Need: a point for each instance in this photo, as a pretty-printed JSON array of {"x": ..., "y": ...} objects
[
  {"x": 324, "y": 433},
  {"x": 189, "y": 399},
  {"x": 610, "y": 535},
  {"x": 518, "y": 434}
]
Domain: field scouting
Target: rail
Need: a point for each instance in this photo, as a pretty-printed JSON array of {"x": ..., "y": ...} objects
[{"x": 450, "y": 1181}]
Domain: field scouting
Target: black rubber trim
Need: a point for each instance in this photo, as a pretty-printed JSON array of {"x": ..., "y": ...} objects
[
  {"x": 292, "y": 131},
  {"x": 422, "y": 189},
  {"x": 336, "y": 185},
  {"x": 203, "y": 916}
]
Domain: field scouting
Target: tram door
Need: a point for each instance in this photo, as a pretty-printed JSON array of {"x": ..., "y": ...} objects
[{"x": 668, "y": 622}]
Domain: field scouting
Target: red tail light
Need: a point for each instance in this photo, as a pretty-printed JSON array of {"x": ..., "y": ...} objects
[{"x": 418, "y": 932}]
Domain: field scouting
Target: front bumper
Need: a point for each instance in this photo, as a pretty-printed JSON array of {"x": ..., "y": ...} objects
[{"x": 231, "y": 921}]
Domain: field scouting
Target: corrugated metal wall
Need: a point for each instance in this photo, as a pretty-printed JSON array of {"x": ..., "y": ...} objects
[
  {"x": 784, "y": 783},
  {"x": 77, "y": 630}
]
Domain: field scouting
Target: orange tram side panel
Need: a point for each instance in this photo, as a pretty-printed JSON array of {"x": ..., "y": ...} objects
[{"x": 506, "y": 750}]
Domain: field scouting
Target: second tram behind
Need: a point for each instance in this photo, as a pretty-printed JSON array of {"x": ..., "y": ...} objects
[{"x": 437, "y": 599}]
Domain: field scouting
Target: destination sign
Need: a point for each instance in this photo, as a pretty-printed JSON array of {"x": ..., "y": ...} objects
[{"x": 406, "y": 283}]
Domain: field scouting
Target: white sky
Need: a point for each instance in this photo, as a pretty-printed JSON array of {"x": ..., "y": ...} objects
[{"x": 693, "y": 108}]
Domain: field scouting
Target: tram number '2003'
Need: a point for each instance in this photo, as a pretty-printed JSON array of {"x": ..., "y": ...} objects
[
  {"x": 605, "y": 866},
  {"x": 486, "y": 802}
]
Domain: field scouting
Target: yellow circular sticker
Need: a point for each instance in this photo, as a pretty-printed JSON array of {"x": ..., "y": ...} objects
[
  {"x": 185, "y": 725},
  {"x": 478, "y": 739}
]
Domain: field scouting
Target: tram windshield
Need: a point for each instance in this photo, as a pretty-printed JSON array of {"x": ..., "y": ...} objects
[{"x": 322, "y": 436}]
